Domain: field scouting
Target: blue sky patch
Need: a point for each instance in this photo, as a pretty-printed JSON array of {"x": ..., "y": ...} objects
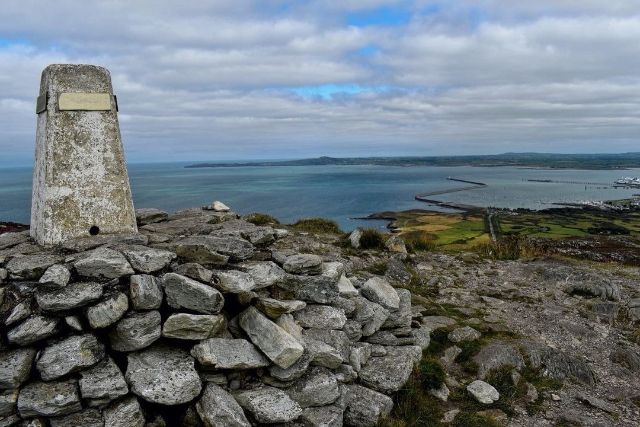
[
  {"x": 328, "y": 91},
  {"x": 382, "y": 16}
]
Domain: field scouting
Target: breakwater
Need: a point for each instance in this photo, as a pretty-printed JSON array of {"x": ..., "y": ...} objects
[{"x": 426, "y": 197}]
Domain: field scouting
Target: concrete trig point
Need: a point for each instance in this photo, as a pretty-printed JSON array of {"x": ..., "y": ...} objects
[{"x": 80, "y": 182}]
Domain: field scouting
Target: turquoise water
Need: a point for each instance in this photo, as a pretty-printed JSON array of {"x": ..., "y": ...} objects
[{"x": 338, "y": 192}]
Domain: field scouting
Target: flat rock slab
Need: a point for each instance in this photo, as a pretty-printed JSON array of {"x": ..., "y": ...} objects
[
  {"x": 275, "y": 308},
  {"x": 203, "y": 249},
  {"x": 496, "y": 355},
  {"x": 144, "y": 259},
  {"x": 307, "y": 264},
  {"x": 264, "y": 273},
  {"x": 466, "y": 333},
  {"x": 183, "y": 292},
  {"x": 389, "y": 373},
  {"x": 15, "y": 367},
  {"x": 233, "y": 281},
  {"x": 223, "y": 353},
  {"x": 69, "y": 355},
  {"x": 145, "y": 292},
  {"x": 483, "y": 392},
  {"x": 103, "y": 263},
  {"x": 71, "y": 296},
  {"x": 321, "y": 316},
  {"x": 35, "y": 328},
  {"x": 146, "y": 216},
  {"x": 279, "y": 346},
  {"x": 107, "y": 312},
  {"x": 381, "y": 292},
  {"x": 324, "y": 416},
  {"x": 218, "y": 408},
  {"x": 102, "y": 383},
  {"x": 86, "y": 418},
  {"x": 49, "y": 399},
  {"x": 437, "y": 322},
  {"x": 57, "y": 275},
  {"x": 365, "y": 407},
  {"x": 194, "y": 271},
  {"x": 318, "y": 387},
  {"x": 136, "y": 331},
  {"x": 187, "y": 326},
  {"x": 163, "y": 375},
  {"x": 124, "y": 413},
  {"x": 31, "y": 267},
  {"x": 269, "y": 405}
]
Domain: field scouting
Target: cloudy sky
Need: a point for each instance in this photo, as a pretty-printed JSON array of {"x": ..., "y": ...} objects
[{"x": 216, "y": 80}]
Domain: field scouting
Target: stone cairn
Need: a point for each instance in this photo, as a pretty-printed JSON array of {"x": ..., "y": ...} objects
[{"x": 197, "y": 320}]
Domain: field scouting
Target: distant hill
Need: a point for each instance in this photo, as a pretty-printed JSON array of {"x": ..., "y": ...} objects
[{"x": 533, "y": 160}]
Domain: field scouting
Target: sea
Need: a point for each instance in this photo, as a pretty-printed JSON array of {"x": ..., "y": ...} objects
[{"x": 342, "y": 193}]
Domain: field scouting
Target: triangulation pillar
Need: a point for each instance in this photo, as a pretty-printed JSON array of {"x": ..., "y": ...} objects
[{"x": 80, "y": 181}]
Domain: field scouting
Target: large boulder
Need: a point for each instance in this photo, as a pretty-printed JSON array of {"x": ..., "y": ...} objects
[
  {"x": 187, "y": 326},
  {"x": 558, "y": 364},
  {"x": 496, "y": 355},
  {"x": 103, "y": 263},
  {"x": 269, "y": 405},
  {"x": 69, "y": 355},
  {"x": 71, "y": 296},
  {"x": 136, "y": 331},
  {"x": 147, "y": 260},
  {"x": 224, "y": 353},
  {"x": 35, "y": 328},
  {"x": 183, "y": 292},
  {"x": 163, "y": 375},
  {"x": 15, "y": 367},
  {"x": 279, "y": 346},
  {"x": 217, "y": 408},
  {"x": 365, "y": 407},
  {"x": 49, "y": 399},
  {"x": 102, "y": 383}
]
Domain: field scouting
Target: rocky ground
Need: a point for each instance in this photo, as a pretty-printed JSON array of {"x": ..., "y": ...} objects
[{"x": 207, "y": 319}]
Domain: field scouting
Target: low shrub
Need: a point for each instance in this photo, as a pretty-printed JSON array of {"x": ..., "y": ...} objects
[
  {"x": 317, "y": 225},
  {"x": 430, "y": 374},
  {"x": 261, "y": 219},
  {"x": 509, "y": 248},
  {"x": 371, "y": 239},
  {"x": 419, "y": 242},
  {"x": 379, "y": 268}
]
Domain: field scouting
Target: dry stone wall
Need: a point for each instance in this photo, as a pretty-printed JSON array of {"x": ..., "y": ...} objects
[{"x": 197, "y": 320}]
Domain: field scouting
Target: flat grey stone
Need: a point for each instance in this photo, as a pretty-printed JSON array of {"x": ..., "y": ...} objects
[
  {"x": 124, "y": 413},
  {"x": 307, "y": 264},
  {"x": 388, "y": 374},
  {"x": 320, "y": 316},
  {"x": 319, "y": 289},
  {"x": 145, "y": 291},
  {"x": 274, "y": 308},
  {"x": 183, "y": 292},
  {"x": 269, "y": 405},
  {"x": 272, "y": 340},
  {"x": 400, "y": 318},
  {"x": 49, "y": 399},
  {"x": 354, "y": 238},
  {"x": 57, "y": 275},
  {"x": 217, "y": 408},
  {"x": 381, "y": 292},
  {"x": 318, "y": 387},
  {"x": 69, "y": 355},
  {"x": 15, "y": 367},
  {"x": 144, "y": 259},
  {"x": 365, "y": 407},
  {"x": 323, "y": 416},
  {"x": 194, "y": 271},
  {"x": 71, "y": 296},
  {"x": 136, "y": 331},
  {"x": 346, "y": 288},
  {"x": 332, "y": 337},
  {"x": 146, "y": 216},
  {"x": 31, "y": 267},
  {"x": 294, "y": 371},
  {"x": 108, "y": 311},
  {"x": 264, "y": 273},
  {"x": 466, "y": 333},
  {"x": 322, "y": 354},
  {"x": 558, "y": 364},
  {"x": 103, "y": 263},
  {"x": 483, "y": 392},
  {"x": 187, "y": 326},
  {"x": 35, "y": 328},
  {"x": 496, "y": 355},
  {"x": 288, "y": 323},
  {"x": 203, "y": 249},
  {"x": 19, "y": 312},
  {"x": 359, "y": 355},
  {"x": 233, "y": 281},
  {"x": 437, "y": 322},
  {"x": 223, "y": 353},
  {"x": 102, "y": 383},
  {"x": 370, "y": 315},
  {"x": 74, "y": 323},
  {"x": 86, "y": 418},
  {"x": 259, "y": 236},
  {"x": 8, "y": 400},
  {"x": 8, "y": 240},
  {"x": 163, "y": 375}
]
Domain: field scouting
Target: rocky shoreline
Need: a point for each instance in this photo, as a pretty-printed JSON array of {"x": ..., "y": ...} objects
[{"x": 207, "y": 319}]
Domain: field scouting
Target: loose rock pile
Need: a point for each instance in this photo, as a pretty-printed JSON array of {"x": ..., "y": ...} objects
[{"x": 196, "y": 321}]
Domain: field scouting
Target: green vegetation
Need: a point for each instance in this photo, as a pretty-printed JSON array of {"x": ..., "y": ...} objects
[
  {"x": 430, "y": 373},
  {"x": 371, "y": 239},
  {"x": 427, "y": 231},
  {"x": 261, "y": 219},
  {"x": 509, "y": 248},
  {"x": 378, "y": 268},
  {"x": 466, "y": 419},
  {"x": 317, "y": 225},
  {"x": 419, "y": 242}
]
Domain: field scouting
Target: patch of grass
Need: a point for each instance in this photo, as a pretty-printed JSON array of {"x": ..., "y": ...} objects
[
  {"x": 469, "y": 350},
  {"x": 371, "y": 239},
  {"x": 419, "y": 242},
  {"x": 257, "y": 218},
  {"x": 430, "y": 373},
  {"x": 509, "y": 248},
  {"x": 378, "y": 268},
  {"x": 466, "y": 419},
  {"x": 439, "y": 342},
  {"x": 317, "y": 225}
]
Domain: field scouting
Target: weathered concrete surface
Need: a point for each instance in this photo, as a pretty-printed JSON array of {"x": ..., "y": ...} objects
[{"x": 80, "y": 178}]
